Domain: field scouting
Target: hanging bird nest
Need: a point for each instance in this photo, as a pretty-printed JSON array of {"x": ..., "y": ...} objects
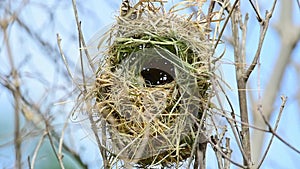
[{"x": 153, "y": 88}]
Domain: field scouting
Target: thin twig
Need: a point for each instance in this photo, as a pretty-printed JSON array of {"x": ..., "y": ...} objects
[
  {"x": 61, "y": 138},
  {"x": 240, "y": 122},
  {"x": 28, "y": 161},
  {"x": 16, "y": 94},
  {"x": 65, "y": 60},
  {"x": 223, "y": 29},
  {"x": 243, "y": 27},
  {"x": 273, "y": 131},
  {"x": 284, "y": 99},
  {"x": 224, "y": 155},
  {"x": 263, "y": 28},
  {"x": 38, "y": 118},
  {"x": 232, "y": 113},
  {"x": 288, "y": 41},
  {"x": 219, "y": 158},
  {"x": 58, "y": 156},
  {"x": 195, "y": 146},
  {"x": 230, "y": 121},
  {"x": 51, "y": 50},
  {"x": 81, "y": 58},
  {"x": 78, "y": 23},
  {"x": 285, "y": 142},
  {"x": 91, "y": 118},
  {"x": 218, "y": 142},
  {"x": 258, "y": 16},
  {"x": 36, "y": 150},
  {"x": 239, "y": 59},
  {"x": 228, "y": 153},
  {"x": 209, "y": 14}
]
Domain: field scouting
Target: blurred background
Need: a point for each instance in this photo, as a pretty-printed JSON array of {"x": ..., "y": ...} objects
[{"x": 37, "y": 93}]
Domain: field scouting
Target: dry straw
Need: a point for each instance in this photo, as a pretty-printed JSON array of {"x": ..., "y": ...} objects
[{"x": 153, "y": 87}]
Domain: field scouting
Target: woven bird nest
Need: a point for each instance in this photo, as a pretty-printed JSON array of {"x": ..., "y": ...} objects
[{"x": 153, "y": 87}]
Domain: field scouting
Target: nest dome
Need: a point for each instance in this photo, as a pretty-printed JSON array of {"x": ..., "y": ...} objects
[{"x": 152, "y": 88}]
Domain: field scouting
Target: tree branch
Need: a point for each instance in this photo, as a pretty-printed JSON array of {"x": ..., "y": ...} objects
[
  {"x": 288, "y": 41},
  {"x": 264, "y": 27},
  {"x": 239, "y": 58},
  {"x": 16, "y": 92},
  {"x": 275, "y": 128}
]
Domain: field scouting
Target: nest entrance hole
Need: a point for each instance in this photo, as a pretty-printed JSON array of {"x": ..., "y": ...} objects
[
  {"x": 157, "y": 71},
  {"x": 153, "y": 77}
]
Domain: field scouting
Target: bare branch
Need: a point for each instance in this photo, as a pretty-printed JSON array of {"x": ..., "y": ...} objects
[
  {"x": 61, "y": 140},
  {"x": 16, "y": 93},
  {"x": 273, "y": 131},
  {"x": 258, "y": 16},
  {"x": 223, "y": 29},
  {"x": 288, "y": 41},
  {"x": 225, "y": 156},
  {"x": 37, "y": 148},
  {"x": 58, "y": 156},
  {"x": 65, "y": 60},
  {"x": 284, "y": 99},
  {"x": 239, "y": 58},
  {"x": 91, "y": 118},
  {"x": 285, "y": 142},
  {"x": 263, "y": 31},
  {"x": 228, "y": 152},
  {"x": 82, "y": 41},
  {"x": 232, "y": 123}
]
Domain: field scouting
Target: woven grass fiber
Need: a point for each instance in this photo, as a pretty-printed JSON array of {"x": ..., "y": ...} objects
[{"x": 153, "y": 86}]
